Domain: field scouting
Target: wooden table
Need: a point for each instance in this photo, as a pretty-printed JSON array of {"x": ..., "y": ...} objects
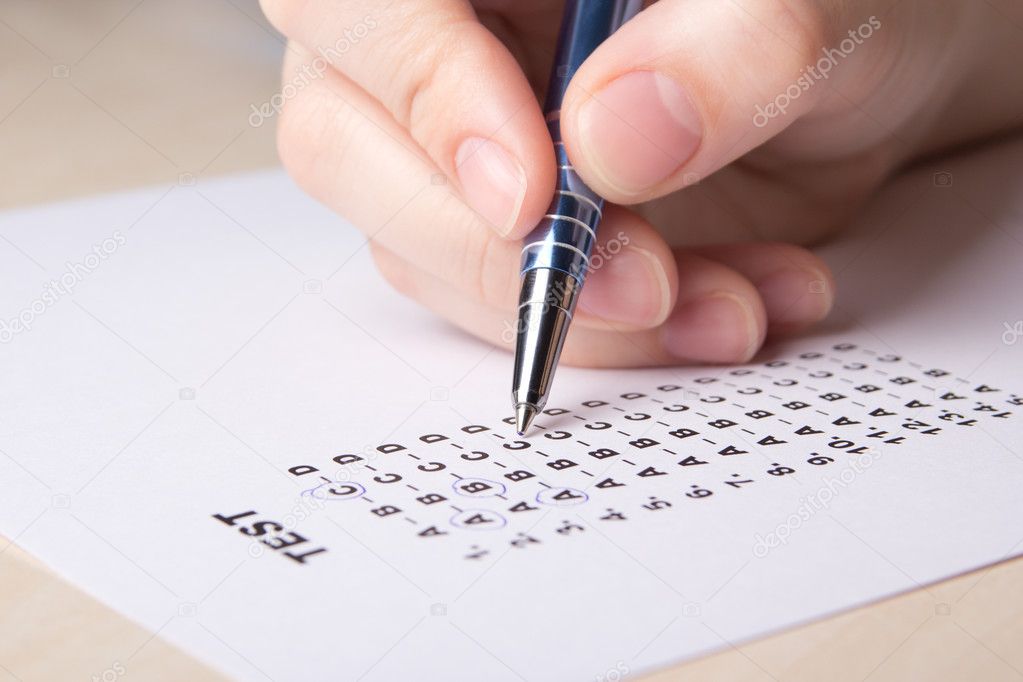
[{"x": 111, "y": 94}]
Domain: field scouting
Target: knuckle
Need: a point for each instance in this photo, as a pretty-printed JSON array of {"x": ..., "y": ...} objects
[
  {"x": 409, "y": 102},
  {"x": 429, "y": 65},
  {"x": 300, "y": 121},
  {"x": 315, "y": 137}
]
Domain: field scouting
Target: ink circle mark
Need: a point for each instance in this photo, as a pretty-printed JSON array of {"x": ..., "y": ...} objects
[{"x": 336, "y": 491}]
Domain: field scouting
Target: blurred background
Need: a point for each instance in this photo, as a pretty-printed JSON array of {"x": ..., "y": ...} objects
[{"x": 108, "y": 94}]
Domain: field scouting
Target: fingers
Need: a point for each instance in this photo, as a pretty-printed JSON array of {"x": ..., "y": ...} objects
[
  {"x": 605, "y": 346},
  {"x": 718, "y": 318},
  {"x": 678, "y": 92},
  {"x": 449, "y": 83},
  {"x": 349, "y": 145},
  {"x": 796, "y": 287},
  {"x": 342, "y": 147},
  {"x": 728, "y": 298},
  {"x": 633, "y": 278}
]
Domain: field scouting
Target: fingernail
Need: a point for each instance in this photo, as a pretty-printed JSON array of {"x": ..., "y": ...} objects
[
  {"x": 631, "y": 287},
  {"x": 795, "y": 297},
  {"x": 639, "y": 130},
  {"x": 719, "y": 328},
  {"x": 493, "y": 182}
]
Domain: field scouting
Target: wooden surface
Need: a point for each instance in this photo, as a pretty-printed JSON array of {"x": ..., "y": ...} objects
[{"x": 111, "y": 94}]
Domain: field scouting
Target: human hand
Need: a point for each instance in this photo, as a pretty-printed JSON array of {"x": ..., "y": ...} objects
[{"x": 724, "y": 131}]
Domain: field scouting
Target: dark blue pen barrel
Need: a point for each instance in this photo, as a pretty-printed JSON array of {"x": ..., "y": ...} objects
[
  {"x": 585, "y": 25},
  {"x": 564, "y": 238}
]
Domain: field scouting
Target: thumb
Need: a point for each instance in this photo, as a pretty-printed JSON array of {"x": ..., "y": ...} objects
[{"x": 688, "y": 86}]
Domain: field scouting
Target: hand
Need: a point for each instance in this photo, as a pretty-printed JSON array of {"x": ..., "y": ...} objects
[{"x": 726, "y": 127}]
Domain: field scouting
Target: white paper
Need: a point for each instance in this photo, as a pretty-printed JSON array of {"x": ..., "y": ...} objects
[{"x": 234, "y": 330}]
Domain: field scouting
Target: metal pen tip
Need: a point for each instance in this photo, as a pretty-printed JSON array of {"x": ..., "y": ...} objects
[{"x": 524, "y": 414}]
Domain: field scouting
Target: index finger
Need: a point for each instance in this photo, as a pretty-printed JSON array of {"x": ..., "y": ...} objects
[{"x": 448, "y": 81}]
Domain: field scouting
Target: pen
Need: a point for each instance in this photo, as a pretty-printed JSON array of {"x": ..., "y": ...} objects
[{"x": 555, "y": 255}]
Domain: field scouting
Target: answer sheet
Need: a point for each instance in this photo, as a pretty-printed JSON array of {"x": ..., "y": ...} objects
[{"x": 218, "y": 419}]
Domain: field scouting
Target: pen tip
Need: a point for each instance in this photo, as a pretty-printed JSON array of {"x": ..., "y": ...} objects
[{"x": 524, "y": 414}]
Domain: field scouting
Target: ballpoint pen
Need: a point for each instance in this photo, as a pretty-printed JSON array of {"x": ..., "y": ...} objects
[{"x": 556, "y": 254}]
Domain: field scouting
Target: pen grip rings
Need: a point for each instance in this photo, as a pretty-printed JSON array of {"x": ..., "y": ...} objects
[{"x": 565, "y": 236}]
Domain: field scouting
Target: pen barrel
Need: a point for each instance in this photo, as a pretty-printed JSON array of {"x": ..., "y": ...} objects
[
  {"x": 585, "y": 25},
  {"x": 565, "y": 237},
  {"x": 556, "y": 254}
]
